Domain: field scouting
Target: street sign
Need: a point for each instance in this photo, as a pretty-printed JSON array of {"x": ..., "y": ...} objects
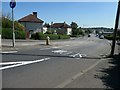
[{"x": 12, "y": 3}]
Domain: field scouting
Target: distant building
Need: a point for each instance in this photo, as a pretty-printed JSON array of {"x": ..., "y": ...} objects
[
  {"x": 59, "y": 28},
  {"x": 32, "y": 24}
]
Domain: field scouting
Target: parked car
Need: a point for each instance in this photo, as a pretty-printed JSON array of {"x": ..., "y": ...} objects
[
  {"x": 88, "y": 35},
  {"x": 101, "y": 37}
]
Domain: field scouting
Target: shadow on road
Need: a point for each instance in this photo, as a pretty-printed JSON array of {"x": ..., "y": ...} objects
[{"x": 111, "y": 75}]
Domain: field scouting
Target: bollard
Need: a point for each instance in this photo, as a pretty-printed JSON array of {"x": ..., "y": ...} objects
[{"x": 47, "y": 40}]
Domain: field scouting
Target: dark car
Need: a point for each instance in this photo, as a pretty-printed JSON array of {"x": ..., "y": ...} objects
[{"x": 88, "y": 35}]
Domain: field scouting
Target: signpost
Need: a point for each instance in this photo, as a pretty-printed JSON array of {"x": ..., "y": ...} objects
[{"x": 12, "y": 5}]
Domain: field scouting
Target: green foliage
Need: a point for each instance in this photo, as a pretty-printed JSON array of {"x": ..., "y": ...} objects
[
  {"x": 41, "y": 36},
  {"x": 53, "y": 36},
  {"x": 110, "y": 37},
  {"x": 96, "y": 32},
  {"x": 19, "y": 34},
  {"x": 49, "y": 32},
  {"x": 88, "y": 31},
  {"x": 74, "y": 25},
  {"x": 76, "y": 32},
  {"x": 64, "y": 37},
  {"x": 6, "y": 23},
  {"x": 19, "y": 26},
  {"x": 38, "y": 36},
  {"x": 47, "y": 25},
  {"x": 7, "y": 33},
  {"x": 0, "y": 31}
]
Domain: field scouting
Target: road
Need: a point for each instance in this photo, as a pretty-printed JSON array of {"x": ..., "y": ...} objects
[{"x": 55, "y": 66}]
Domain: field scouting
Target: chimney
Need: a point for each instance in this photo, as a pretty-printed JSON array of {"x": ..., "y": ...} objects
[
  {"x": 51, "y": 23},
  {"x": 35, "y": 14},
  {"x": 64, "y": 23}
]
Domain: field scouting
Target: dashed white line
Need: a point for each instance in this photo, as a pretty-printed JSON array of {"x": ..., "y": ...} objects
[
  {"x": 48, "y": 48},
  {"x": 59, "y": 51},
  {"x": 4, "y": 52},
  {"x": 45, "y": 48},
  {"x": 67, "y": 45},
  {"x": 21, "y": 63}
]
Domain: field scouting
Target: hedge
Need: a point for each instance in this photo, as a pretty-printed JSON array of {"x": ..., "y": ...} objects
[
  {"x": 41, "y": 36},
  {"x": 7, "y": 33},
  {"x": 64, "y": 37},
  {"x": 110, "y": 37}
]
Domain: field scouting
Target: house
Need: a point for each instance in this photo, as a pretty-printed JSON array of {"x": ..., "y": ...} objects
[
  {"x": 46, "y": 27},
  {"x": 59, "y": 28},
  {"x": 32, "y": 24}
]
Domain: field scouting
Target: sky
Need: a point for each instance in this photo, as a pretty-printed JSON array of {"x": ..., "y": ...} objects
[{"x": 85, "y": 14}]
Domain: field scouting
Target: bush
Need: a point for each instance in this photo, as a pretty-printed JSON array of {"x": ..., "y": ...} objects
[
  {"x": 33, "y": 36},
  {"x": 7, "y": 33},
  {"x": 110, "y": 37},
  {"x": 49, "y": 32},
  {"x": 41, "y": 36},
  {"x": 64, "y": 37},
  {"x": 6, "y": 23},
  {"x": 20, "y": 34}
]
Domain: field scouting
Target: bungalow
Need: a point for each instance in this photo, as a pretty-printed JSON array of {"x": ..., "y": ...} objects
[
  {"x": 32, "y": 24},
  {"x": 59, "y": 28}
]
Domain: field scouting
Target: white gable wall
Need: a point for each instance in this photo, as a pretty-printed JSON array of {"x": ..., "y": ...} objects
[
  {"x": 35, "y": 27},
  {"x": 69, "y": 31},
  {"x": 44, "y": 29}
]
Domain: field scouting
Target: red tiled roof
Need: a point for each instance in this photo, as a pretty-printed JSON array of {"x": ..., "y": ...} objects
[
  {"x": 60, "y": 25},
  {"x": 30, "y": 18}
]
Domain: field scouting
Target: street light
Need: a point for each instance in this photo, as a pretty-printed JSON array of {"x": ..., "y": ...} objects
[
  {"x": 12, "y": 5},
  {"x": 115, "y": 31}
]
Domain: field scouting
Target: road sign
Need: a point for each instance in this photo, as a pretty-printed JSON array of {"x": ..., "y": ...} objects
[{"x": 12, "y": 3}]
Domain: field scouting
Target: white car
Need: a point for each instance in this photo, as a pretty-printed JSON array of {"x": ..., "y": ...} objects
[{"x": 101, "y": 37}]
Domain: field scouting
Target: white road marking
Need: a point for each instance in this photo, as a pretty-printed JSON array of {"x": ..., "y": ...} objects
[
  {"x": 67, "y": 53},
  {"x": 78, "y": 54},
  {"x": 21, "y": 63},
  {"x": 48, "y": 48},
  {"x": 67, "y": 45},
  {"x": 9, "y": 52},
  {"x": 45, "y": 48},
  {"x": 55, "y": 47},
  {"x": 60, "y": 51}
]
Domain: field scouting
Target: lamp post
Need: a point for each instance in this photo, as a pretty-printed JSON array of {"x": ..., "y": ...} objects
[
  {"x": 12, "y": 5},
  {"x": 115, "y": 31}
]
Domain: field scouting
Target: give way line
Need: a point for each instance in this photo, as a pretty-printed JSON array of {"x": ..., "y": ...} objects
[{"x": 16, "y": 64}]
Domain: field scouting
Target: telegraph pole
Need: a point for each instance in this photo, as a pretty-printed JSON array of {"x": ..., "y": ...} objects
[
  {"x": 12, "y": 5},
  {"x": 115, "y": 31}
]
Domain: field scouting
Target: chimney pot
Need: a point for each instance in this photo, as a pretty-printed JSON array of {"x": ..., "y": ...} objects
[{"x": 35, "y": 14}]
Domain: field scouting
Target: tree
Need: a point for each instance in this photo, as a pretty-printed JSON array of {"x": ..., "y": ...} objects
[
  {"x": 7, "y": 15},
  {"x": 74, "y": 27},
  {"x": 47, "y": 25}
]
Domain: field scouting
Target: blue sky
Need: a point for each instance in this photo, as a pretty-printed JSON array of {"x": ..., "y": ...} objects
[{"x": 89, "y": 14}]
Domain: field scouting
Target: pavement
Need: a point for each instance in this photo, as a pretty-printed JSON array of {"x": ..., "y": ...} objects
[{"x": 75, "y": 63}]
